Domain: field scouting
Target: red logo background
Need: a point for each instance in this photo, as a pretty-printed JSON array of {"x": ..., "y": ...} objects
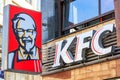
[{"x": 13, "y": 44}]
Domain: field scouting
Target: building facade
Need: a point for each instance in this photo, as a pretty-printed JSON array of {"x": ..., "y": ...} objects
[
  {"x": 79, "y": 41},
  {"x": 67, "y": 56}
]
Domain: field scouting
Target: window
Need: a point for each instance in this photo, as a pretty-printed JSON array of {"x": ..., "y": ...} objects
[
  {"x": 78, "y": 11},
  {"x": 61, "y": 17},
  {"x": 107, "y": 5},
  {"x": 48, "y": 19},
  {"x": 81, "y": 10}
]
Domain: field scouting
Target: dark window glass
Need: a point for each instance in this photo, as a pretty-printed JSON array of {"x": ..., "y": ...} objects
[
  {"x": 59, "y": 16},
  {"x": 81, "y": 10},
  {"x": 107, "y": 5},
  {"x": 48, "y": 20}
]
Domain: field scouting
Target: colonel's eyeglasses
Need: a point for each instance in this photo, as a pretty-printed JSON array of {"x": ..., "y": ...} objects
[{"x": 19, "y": 30}]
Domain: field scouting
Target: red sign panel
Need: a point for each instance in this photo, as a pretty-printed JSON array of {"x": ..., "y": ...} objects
[{"x": 24, "y": 43}]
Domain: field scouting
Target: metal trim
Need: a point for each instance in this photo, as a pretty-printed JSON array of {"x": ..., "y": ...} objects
[{"x": 5, "y": 38}]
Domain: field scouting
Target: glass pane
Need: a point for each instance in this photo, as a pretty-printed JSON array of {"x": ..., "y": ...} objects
[
  {"x": 81, "y": 10},
  {"x": 48, "y": 20},
  {"x": 107, "y": 5}
]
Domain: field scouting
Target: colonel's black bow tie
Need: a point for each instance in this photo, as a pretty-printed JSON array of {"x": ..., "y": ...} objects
[{"x": 28, "y": 52}]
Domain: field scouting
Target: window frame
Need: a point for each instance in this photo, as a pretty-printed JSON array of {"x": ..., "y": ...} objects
[{"x": 63, "y": 21}]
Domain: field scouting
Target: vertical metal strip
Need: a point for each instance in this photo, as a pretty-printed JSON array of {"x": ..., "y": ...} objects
[
  {"x": 99, "y": 7},
  {"x": 5, "y": 38}
]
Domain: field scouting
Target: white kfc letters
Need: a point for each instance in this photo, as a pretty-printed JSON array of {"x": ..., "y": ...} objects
[{"x": 83, "y": 42}]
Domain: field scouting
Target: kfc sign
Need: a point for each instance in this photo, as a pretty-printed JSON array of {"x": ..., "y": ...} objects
[
  {"x": 82, "y": 43},
  {"x": 22, "y": 29}
]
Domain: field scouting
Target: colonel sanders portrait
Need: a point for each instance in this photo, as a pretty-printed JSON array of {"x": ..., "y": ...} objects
[{"x": 28, "y": 55}]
